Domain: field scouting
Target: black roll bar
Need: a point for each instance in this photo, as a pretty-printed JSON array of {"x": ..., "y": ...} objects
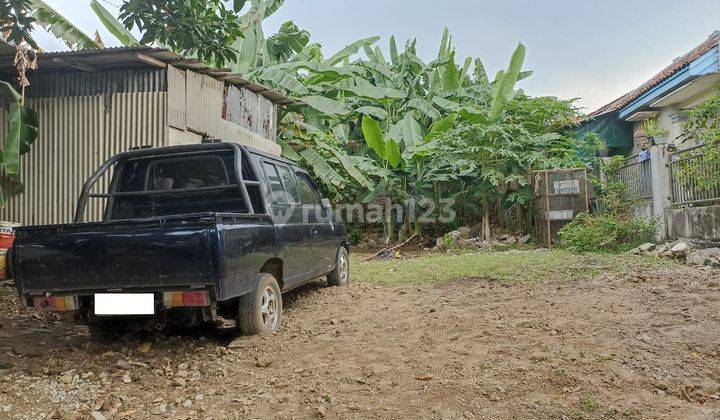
[{"x": 160, "y": 151}]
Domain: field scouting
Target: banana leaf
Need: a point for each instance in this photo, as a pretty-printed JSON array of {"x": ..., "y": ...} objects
[
  {"x": 374, "y": 136},
  {"x": 61, "y": 27},
  {"x": 326, "y": 105},
  {"x": 321, "y": 168},
  {"x": 423, "y": 106},
  {"x": 113, "y": 25},
  {"x": 351, "y": 50}
]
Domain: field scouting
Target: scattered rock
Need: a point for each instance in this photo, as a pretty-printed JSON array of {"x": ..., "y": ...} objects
[
  {"x": 680, "y": 249},
  {"x": 647, "y": 247},
  {"x": 464, "y": 232},
  {"x": 123, "y": 364},
  {"x": 159, "y": 409},
  {"x": 709, "y": 257},
  {"x": 96, "y": 415},
  {"x": 524, "y": 239},
  {"x": 475, "y": 230}
]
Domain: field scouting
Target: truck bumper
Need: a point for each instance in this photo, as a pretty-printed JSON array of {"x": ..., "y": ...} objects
[{"x": 162, "y": 300}]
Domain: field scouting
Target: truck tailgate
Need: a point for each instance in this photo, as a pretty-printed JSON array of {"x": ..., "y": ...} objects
[{"x": 165, "y": 252}]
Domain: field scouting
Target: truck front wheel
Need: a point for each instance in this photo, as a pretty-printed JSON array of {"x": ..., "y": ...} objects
[{"x": 261, "y": 310}]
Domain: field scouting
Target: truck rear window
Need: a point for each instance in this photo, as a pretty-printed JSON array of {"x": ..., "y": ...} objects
[
  {"x": 175, "y": 174},
  {"x": 190, "y": 173},
  {"x": 152, "y": 187}
]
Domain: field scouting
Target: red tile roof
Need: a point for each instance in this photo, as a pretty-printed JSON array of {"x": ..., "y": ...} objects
[{"x": 668, "y": 71}]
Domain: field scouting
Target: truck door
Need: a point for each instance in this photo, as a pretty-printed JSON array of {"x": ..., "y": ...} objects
[
  {"x": 322, "y": 221},
  {"x": 294, "y": 236}
]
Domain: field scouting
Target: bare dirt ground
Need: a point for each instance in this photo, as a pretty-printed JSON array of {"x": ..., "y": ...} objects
[{"x": 638, "y": 345}]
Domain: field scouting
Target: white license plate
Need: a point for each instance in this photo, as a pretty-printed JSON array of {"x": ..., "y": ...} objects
[{"x": 124, "y": 304}]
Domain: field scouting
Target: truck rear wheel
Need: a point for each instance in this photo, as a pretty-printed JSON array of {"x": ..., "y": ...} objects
[
  {"x": 340, "y": 276},
  {"x": 261, "y": 310}
]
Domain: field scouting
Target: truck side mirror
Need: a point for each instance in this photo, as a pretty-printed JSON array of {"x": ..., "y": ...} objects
[{"x": 326, "y": 203}]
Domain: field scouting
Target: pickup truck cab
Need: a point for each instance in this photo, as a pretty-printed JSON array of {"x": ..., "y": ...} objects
[{"x": 205, "y": 233}]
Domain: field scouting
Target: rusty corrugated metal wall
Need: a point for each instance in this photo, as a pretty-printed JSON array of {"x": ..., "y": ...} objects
[{"x": 97, "y": 116}]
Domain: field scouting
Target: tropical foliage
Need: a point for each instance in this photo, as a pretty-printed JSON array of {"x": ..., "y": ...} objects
[
  {"x": 184, "y": 25},
  {"x": 16, "y": 22},
  {"x": 702, "y": 127},
  {"x": 375, "y": 124}
]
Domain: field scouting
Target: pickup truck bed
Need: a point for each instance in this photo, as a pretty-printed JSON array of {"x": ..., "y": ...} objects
[{"x": 185, "y": 251}]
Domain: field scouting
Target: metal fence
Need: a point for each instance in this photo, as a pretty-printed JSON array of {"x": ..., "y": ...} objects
[
  {"x": 693, "y": 180},
  {"x": 636, "y": 176}
]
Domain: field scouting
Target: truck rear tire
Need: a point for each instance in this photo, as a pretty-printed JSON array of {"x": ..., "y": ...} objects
[
  {"x": 340, "y": 276},
  {"x": 261, "y": 310}
]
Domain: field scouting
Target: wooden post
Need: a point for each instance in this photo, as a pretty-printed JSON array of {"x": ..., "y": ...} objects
[
  {"x": 587, "y": 196},
  {"x": 547, "y": 210}
]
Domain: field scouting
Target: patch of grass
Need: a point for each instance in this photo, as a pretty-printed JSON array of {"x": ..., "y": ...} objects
[
  {"x": 589, "y": 404},
  {"x": 511, "y": 267}
]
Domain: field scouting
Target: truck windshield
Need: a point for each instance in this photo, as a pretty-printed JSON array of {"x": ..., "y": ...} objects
[{"x": 161, "y": 186}]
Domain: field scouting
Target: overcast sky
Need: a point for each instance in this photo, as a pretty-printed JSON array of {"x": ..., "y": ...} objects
[{"x": 595, "y": 50}]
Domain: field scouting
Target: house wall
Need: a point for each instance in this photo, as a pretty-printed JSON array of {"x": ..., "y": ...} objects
[
  {"x": 86, "y": 117},
  {"x": 670, "y": 118},
  {"x": 77, "y": 133},
  {"x": 199, "y": 105},
  {"x": 701, "y": 223}
]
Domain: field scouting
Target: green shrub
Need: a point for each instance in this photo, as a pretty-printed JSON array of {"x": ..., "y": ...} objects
[
  {"x": 606, "y": 232},
  {"x": 355, "y": 234}
]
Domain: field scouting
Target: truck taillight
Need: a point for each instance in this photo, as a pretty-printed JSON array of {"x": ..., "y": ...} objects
[
  {"x": 186, "y": 299},
  {"x": 55, "y": 303}
]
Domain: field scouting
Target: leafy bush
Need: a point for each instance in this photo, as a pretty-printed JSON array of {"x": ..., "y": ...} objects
[
  {"x": 355, "y": 234},
  {"x": 606, "y": 232}
]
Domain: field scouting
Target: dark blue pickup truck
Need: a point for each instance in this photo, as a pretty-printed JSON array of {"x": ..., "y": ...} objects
[{"x": 205, "y": 233}]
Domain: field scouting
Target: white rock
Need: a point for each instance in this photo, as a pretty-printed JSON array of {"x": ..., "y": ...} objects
[
  {"x": 96, "y": 415},
  {"x": 463, "y": 232},
  {"x": 680, "y": 248},
  {"x": 647, "y": 247}
]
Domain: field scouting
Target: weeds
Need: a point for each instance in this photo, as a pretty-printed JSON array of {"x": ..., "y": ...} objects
[{"x": 509, "y": 267}]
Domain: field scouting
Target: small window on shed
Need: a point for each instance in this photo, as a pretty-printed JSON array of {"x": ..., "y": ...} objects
[{"x": 187, "y": 174}]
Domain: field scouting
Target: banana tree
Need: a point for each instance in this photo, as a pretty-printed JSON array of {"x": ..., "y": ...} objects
[
  {"x": 61, "y": 27},
  {"x": 22, "y": 134},
  {"x": 415, "y": 170}
]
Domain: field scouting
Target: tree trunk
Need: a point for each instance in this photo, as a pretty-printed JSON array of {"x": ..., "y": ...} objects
[
  {"x": 500, "y": 214},
  {"x": 389, "y": 225},
  {"x": 520, "y": 221},
  {"x": 486, "y": 236}
]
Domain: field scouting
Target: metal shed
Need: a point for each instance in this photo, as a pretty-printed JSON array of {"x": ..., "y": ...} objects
[{"x": 95, "y": 103}]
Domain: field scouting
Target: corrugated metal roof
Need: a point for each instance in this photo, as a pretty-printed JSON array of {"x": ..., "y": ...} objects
[
  {"x": 134, "y": 57},
  {"x": 677, "y": 65}
]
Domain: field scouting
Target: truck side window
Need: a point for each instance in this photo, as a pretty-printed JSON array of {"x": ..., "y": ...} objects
[
  {"x": 279, "y": 195},
  {"x": 289, "y": 182},
  {"x": 308, "y": 192}
]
